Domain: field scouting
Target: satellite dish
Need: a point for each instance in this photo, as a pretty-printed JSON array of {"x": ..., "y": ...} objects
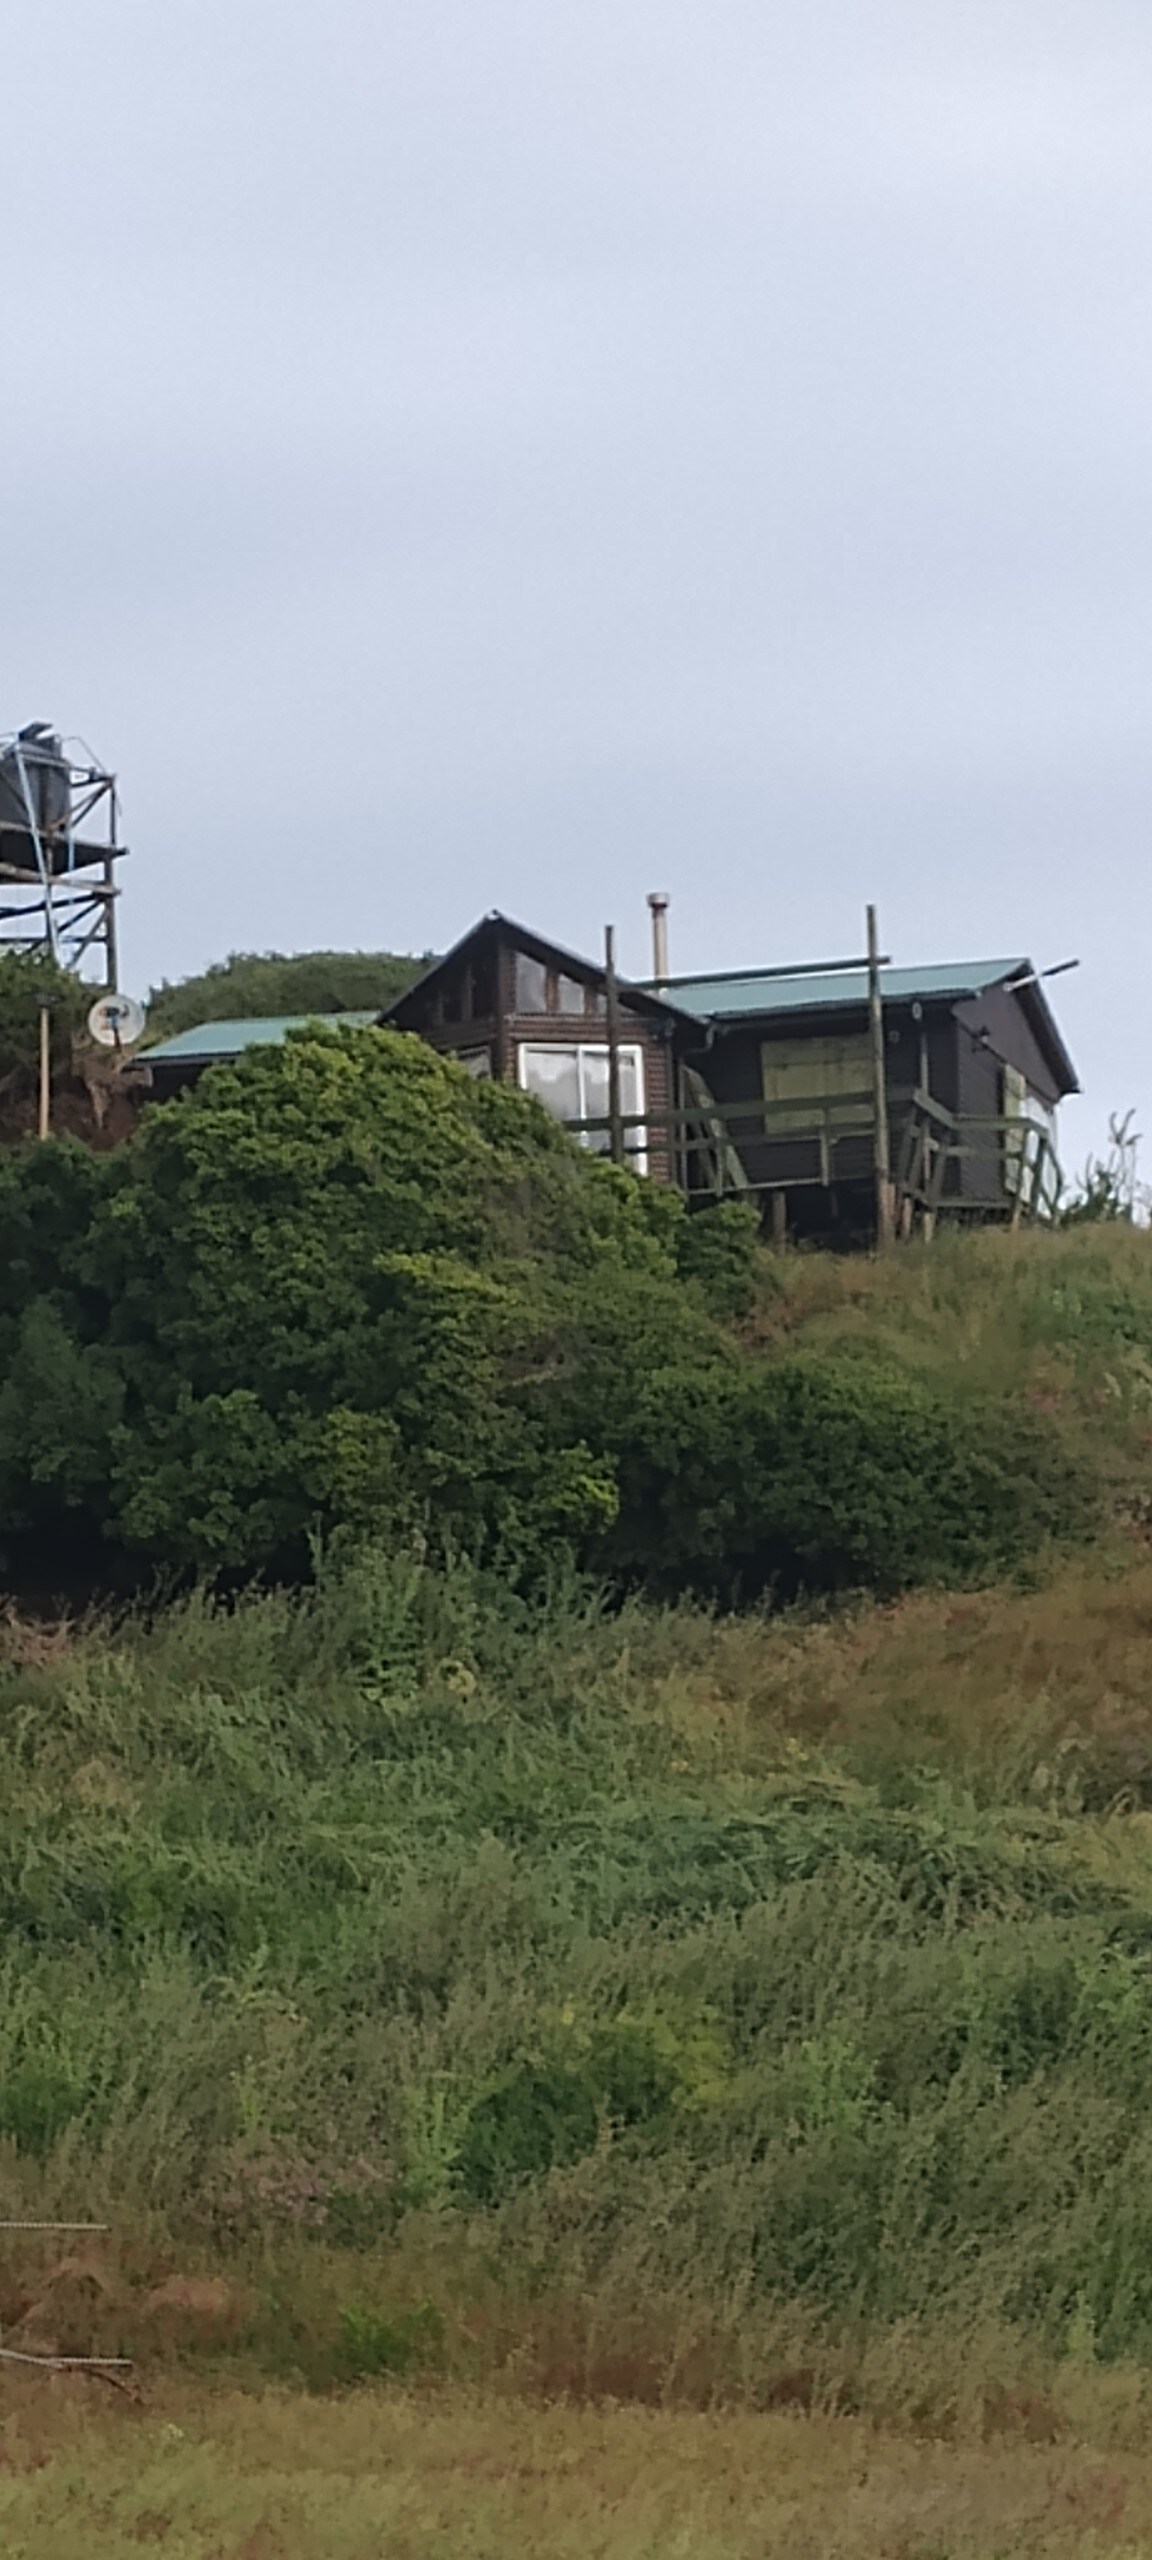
[{"x": 115, "y": 1022}]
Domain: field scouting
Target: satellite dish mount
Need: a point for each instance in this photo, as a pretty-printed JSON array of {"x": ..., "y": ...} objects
[{"x": 117, "y": 1022}]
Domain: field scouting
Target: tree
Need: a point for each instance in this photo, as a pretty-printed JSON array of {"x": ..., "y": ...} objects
[
  {"x": 305, "y": 982},
  {"x": 338, "y": 1276}
]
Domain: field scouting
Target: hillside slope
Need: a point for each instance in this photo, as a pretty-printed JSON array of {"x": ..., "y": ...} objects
[{"x": 658, "y": 2002}]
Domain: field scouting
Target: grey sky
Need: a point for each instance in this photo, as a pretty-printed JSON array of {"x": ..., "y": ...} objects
[{"x": 468, "y": 453}]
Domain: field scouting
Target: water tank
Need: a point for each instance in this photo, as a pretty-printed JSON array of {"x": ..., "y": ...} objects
[{"x": 45, "y": 771}]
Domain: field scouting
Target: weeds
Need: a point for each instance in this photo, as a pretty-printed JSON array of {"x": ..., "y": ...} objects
[{"x": 754, "y": 1990}]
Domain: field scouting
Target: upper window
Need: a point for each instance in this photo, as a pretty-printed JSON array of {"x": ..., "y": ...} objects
[
  {"x": 531, "y": 984},
  {"x": 539, "y": 988},
  {"x": 570, "y": 1078}
]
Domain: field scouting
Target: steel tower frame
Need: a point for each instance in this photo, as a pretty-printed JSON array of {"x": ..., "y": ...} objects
[{"x": 65, "y": 901}]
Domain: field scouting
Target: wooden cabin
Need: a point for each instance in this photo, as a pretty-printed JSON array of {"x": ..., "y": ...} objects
[
  {"x": 763, "y": 1082},
  {"x": 506, "y": 1003}
]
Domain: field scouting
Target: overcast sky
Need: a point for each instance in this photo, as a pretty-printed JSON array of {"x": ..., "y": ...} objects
[{"x": 470, "y": 453}]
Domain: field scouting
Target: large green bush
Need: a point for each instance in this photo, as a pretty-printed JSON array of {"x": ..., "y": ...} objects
[{"x": 344, "y": 1285}]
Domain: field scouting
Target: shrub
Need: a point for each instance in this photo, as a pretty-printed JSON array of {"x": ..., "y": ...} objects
[{"x": 824, "y": 1472}]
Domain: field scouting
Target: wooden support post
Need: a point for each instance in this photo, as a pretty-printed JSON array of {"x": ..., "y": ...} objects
[
  {"x": 882, "y": 1154},
  {"x": 45, "y": 1072},
  {"x": 612, "y": 1020},
  {"x": 779, "y": 1220},
  {"x": 111, "y": 934}
]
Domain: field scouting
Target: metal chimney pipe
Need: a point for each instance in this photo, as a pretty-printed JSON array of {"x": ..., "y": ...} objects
[{"x": 658, "y": 902}]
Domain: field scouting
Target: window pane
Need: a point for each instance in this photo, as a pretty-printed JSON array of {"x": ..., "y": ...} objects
[
  {"x": 553, "y": 1075},
  {"x": 594, "y": 1063},
  {"x": 805, "y": 1079},
  {"x": 569, "y": 995},
  {"x": 531, "y": 985}
]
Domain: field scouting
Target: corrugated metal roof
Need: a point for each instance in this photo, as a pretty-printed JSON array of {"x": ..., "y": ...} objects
[
  {"x": 711, "y": 999},
  {"x": 259, "y": 1030}
]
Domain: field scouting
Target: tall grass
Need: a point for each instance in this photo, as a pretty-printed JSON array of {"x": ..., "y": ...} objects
[
  {"x": 630, "y": 1999},
  {"x": 275, "y": 2478}
]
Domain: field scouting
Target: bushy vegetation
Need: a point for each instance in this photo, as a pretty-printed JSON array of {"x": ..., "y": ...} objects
[
  {"x": 759, "y": 1988},
  {"x": 32, "y": 982},
  {"x": 255, "y": 982},
  {"x": 344, "y": 1286}
]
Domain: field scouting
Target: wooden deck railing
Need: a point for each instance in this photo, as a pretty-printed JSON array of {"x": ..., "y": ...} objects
[{"x": 716, "y": 1148}]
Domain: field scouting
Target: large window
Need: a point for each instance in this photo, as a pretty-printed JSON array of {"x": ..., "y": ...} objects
[
  {"x": 571, "y": 1080},
  {"x": 833, "y": 1070}
]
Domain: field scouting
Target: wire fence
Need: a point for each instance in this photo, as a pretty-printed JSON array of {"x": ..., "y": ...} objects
[{"x": 50, "y": 2363}]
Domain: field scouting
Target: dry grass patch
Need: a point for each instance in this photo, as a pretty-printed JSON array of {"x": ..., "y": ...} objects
[{"x": 381, "y": 2476}]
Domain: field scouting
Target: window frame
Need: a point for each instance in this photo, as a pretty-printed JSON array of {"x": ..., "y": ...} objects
[{"x": 635, "y": 1139}]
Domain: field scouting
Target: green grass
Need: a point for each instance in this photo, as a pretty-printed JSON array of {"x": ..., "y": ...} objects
[
  {"x": 487, "y": 1985},
  {"x": 1064, "y": 1317}
]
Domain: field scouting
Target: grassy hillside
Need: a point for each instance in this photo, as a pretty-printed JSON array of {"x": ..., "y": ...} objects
[
  {"x": 619, "y": 1998},
  {"x": 634, "y": 2003}
]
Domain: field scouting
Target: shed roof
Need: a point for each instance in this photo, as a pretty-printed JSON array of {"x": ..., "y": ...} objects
[
  {"x": 209, "y": 1040},
  {"x": 760, "y": 991}
]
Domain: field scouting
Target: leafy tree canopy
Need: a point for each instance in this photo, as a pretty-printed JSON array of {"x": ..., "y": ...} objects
[{"x": 262, "y": 982}]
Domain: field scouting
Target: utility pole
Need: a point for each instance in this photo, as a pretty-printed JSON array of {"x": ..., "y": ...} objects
[
  {"x": 612, "y": 1024},
  {"x": 882, "y": 1152},
  {"x": 45, "y": 1072}
]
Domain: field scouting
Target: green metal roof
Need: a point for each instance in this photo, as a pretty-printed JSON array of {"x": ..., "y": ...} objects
[
  {"x": 259, "y": 1030},
  {"x": 811, "y": 991}
]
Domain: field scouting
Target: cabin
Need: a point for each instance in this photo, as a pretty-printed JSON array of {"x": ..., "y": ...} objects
[{"x": 849, "y": 1101}]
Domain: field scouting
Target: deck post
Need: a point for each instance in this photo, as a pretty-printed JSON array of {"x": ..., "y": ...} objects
[
  {"x": 882, "y": 1153},
  {"x": 612, "y": 1025},
  {"x": 779, "y": 1220}
]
